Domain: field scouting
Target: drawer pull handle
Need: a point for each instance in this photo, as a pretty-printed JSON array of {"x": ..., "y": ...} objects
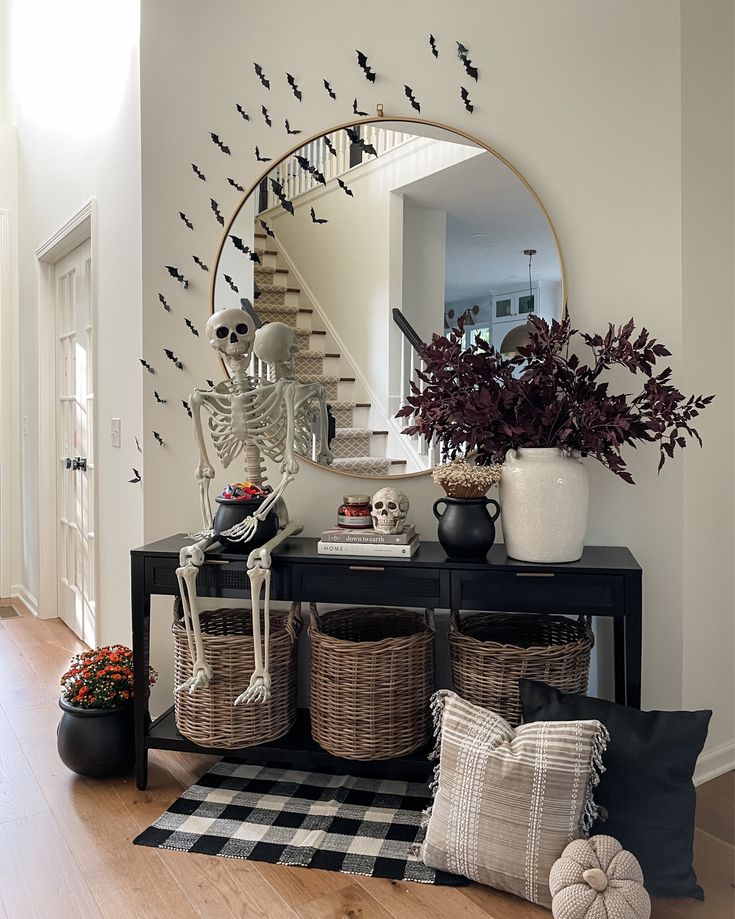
[
  {"x": 216, "y": 561},
  {"x": 366, "y": 568},
  {"x": 535, "y": 574}
]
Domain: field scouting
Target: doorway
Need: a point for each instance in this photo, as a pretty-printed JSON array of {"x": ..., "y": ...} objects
[{"x": 67, "y": 432}]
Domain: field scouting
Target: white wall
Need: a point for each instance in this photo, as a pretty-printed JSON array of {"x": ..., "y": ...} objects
[
  {"x": 76, "y": 81},
  {"x": 708, "y": 244},
  {"x": 597, "y": 132},
  {"x": 424, "y": 264}
]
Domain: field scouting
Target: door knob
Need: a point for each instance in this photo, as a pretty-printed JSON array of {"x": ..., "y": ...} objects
[{"x": 68, "y": 462}]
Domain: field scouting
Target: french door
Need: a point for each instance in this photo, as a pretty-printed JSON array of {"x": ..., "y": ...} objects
[{"x": 76, "y": 589}]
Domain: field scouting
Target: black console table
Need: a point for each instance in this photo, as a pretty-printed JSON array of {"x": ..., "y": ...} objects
[{"x": 606, "y": 581}]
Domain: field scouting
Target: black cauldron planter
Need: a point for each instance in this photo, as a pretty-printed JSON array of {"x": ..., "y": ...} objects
[
  {"x": 232, "y": 511},
  {"x": 466, "y": 527},
  {"x": 96, "y": 742}
]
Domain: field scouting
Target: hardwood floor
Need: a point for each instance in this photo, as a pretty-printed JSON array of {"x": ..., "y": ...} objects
[{"x": 65, "y": 849}]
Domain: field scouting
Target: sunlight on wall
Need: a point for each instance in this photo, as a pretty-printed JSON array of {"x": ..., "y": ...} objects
[{"x": 71, "y": 61}]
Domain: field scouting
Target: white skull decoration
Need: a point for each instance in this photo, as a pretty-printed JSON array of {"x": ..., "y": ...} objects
[
  {"x": 231, "y": 331},
  {"x": 390, "y": 508}
]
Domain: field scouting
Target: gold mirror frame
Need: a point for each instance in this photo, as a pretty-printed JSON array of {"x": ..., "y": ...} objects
[{"x": 378, "y": 119}]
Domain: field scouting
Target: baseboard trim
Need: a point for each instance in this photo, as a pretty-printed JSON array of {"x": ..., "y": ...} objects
[
  {"x": 19, "y": 592},
  {"x": 715, "y": 762}
]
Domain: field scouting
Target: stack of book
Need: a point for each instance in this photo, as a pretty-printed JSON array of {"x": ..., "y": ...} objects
[{"x": 341, "y": 541}]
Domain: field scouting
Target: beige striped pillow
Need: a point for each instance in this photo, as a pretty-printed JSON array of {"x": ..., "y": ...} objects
[{"x": 507, "y": 801}]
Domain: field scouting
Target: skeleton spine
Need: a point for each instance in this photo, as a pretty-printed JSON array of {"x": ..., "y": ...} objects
[{"x": 254, "y": 467}]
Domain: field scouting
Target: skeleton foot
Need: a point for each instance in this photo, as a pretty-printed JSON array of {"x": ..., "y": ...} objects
[
  {"x": 259, "y": 689},
  {"x": 242, "y": 532},
  {"x": 200, "y": 678}
]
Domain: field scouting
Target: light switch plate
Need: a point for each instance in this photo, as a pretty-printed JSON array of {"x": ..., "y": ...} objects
[{"x": 115, "y": 432}]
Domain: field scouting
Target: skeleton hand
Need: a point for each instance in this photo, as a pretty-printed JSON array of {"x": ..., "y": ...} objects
[
  {"x": 243, "y": 531},
  {"x": 199, "y": 679},
  {"x": 259, "y": 689}
]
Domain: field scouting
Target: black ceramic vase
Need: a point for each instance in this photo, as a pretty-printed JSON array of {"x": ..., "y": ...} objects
[
  {"x": 232, "y": 511},
  {"x": 466, "y": 527},
  {"x": 96, "y": 742}
]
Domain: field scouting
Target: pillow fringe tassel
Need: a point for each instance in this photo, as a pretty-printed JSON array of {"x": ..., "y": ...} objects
[{"x": 591, "y": 811}]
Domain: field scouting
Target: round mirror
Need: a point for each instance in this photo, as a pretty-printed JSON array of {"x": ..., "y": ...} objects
[{"x": 369, "y": 239}]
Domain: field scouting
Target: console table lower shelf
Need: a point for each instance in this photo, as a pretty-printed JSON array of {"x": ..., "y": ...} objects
[{"x": 297, "y": 748}]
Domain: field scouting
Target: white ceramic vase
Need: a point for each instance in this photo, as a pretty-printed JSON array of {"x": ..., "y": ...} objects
[{"x": 544, "y": 494}]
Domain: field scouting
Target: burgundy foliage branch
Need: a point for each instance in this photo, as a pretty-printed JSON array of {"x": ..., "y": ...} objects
[{"x": 476, "y": 399}]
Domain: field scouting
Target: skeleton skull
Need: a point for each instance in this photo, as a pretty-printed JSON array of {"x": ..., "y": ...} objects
[
  {"x": 390, "y": 508},
  {"x": 275, "y": 343},
  {"x": 231, "y": 331}
]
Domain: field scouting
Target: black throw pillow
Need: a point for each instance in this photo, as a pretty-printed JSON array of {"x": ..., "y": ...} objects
[{"x": 646, "y": 789}]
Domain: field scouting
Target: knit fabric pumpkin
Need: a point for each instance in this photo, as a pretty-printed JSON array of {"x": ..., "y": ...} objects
[{"x": 597, "y": 879}]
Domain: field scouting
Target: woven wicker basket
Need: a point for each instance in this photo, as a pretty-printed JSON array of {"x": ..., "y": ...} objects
[
  {"x": 490, "y": 652},
  {"x": 372, "y": 675},
  {"x": 208, "y": 716}
]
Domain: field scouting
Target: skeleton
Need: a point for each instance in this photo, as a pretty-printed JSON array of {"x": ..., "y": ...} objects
[
  {"x": 390, "y": 509},
  {"x": 274, "y": 418}
]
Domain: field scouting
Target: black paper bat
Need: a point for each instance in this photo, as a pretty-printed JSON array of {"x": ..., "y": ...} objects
[
  {"x": 267, "y": 229},
  {"x": 246, "y": 250},
  {"x": 198, "y": 172},
  {"x": 261, "y": 76},
  {"x": 186, "y": 406},
  {"x": 186, "y": 220},
  {"x": 345, "y": 188},
  {"x": 191, "y": 327},
  {"x": 356, "y": 111},
  {"x": 217, "y": 212},
  {"x": 411, "y": 98},
  {"x": 332, "y": 93},
  {"x": 146, "y": 365},
  {"x": 172, "y": 357},
  {"x": 279, "y": 193},
  {"x": 177, "y": 275},
  {"x": 158, "y": 398},
  {"x": 160, "y": 439},
  {"x": 210, "y": 383},
  {"x": 305, "y": 164},
  {"x": 315, "y": 219},
  {"x": 462, "y": 53},
  {"x": 365, "y": 67},
  {"x": 256, "y": 290},
  {"x": 432, "y": 45},
  {"x": 235, "y": 184},
  {"x": 259, "y": 158},
  {"x": 242, "y": 111},
  {"x": 354, "y": 136},
  {"x": 137, "y": 444},
  {"x": 198, "y": 261},
  {"x": 294, "y": 87},
  {"x": 232, "y": 285},
  {"x": 290, "y": 130},
  {"x": 164, "y": 303},
  {"x": 329, "y": 145},
  {"x": 466, "y": 99},
  {"x": 265, "y": 114},
  {"x": 218, "y": 143},
  {"x": 136, "y": 476}
]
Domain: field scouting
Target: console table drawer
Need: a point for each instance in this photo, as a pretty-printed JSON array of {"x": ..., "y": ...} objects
[
  {"x": 370, "y": 581},
  {"x": 538, "y": 592},
  {"x": 215, "y": 579}
]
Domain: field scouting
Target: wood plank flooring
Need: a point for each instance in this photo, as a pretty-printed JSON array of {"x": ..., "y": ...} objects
[{"x": 65, "y": 842}]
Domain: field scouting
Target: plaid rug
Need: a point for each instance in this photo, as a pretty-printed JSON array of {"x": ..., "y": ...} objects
[{"x": 349, "y": 823}]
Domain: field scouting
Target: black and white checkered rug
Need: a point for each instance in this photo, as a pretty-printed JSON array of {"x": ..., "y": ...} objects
[{"x": 348, "y": 823}]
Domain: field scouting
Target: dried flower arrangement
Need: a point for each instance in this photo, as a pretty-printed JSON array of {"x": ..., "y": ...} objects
[
  {"x": 461, "y": 479},
  {"x": 101, "y": 678},
  {"x": 476, "y": 399}
]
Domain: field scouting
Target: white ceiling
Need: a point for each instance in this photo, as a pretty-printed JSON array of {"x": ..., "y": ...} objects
[{"x": 491, "y": 219}]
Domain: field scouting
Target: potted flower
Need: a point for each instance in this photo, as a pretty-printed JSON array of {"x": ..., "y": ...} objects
[
  {"x": 466, "y": 528},
  {"x": 540, "y": 411},
  {"x": 95, "y": 734}
]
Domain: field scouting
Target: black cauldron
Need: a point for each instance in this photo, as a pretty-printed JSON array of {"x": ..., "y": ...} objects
[
  {"x": 232, "y": 511},
  {"x": 96, "y": 742}
]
